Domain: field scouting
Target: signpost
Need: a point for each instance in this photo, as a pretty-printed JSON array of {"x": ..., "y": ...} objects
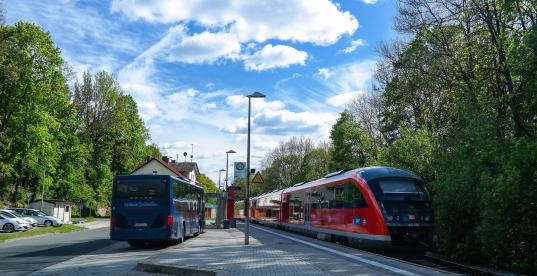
[
  {"x": 258, "y": 178},
  {"x": 240, "y": 170}
]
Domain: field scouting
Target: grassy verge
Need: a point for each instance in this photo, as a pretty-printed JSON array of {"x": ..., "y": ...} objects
[
  {"x": 89, "y": 219},
  {"x": 41, "y": 231}
]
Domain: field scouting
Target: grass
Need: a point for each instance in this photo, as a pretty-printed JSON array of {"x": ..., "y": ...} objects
[
  {"x": 66, "y": 228},
  {"x": 89, "y": 219}
]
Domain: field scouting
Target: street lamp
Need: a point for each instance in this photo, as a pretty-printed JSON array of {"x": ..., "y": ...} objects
[
  {"x": 219, "y": 173},
  {"x": 42, "y": 186},
  {"x": 247, "y": 192},
  {"x": 227, "y": 163}
]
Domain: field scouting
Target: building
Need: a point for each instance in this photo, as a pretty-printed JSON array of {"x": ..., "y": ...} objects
[
  {"x": 188, "y": 169},
  {"x": 157, "y": 166},
  {"x": 54, "y": 207}
]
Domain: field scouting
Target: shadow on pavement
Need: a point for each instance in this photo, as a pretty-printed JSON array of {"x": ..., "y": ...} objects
[{"x": 68, "y": 250}]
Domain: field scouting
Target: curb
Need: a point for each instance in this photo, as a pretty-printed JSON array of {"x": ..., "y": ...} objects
[{"x": 170, "y": 269}]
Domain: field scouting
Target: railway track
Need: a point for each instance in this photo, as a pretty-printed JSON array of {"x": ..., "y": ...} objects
[
  {"x": 435, "y": 261},
  {"x": 425, "y": 259}
]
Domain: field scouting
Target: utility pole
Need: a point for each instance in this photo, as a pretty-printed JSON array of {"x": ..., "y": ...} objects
[
  {"x": 43, "y": 190},
  {"x": 192, "y": 153}
]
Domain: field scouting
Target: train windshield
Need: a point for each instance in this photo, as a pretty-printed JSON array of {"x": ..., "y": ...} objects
[
  {"x": 140, "y": 189},
  {"x": 399, "y": 186}
]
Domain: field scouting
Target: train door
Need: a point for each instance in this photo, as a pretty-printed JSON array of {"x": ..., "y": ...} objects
[{"x": 307, "y": 211}]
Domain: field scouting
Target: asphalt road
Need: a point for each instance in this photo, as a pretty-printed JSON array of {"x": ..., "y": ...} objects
[{"x": 25, "y": 256}]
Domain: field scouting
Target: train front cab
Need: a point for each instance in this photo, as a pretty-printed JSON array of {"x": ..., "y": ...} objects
[{"x": 405, "y": 205}]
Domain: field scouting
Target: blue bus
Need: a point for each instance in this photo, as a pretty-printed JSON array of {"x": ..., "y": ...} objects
[{"x": 155, "y": 208}]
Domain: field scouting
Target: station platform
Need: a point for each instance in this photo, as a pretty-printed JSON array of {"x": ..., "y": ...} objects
[{"x": 271, "y": 252}]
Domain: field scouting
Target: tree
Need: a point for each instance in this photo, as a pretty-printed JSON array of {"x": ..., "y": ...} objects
[
  {"x": 282, "y": 166},
  {"x": 36, "y": 117},
  {"x": 2, "y": 20},
  {"x": 154, "y": 151},
  {"x": 316, "y": 163},
  {"x": 459, "y": 107},
  {"x": 351, "y": 146},
  {"x": 112, "y": 128},
  {"x": 208, "y": 185}
]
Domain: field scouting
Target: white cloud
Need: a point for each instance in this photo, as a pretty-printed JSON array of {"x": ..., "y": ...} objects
[
  {"x": 272, "y": 118},
  {"x": 204, "y": 47},
  {"x": 324, "y": 73},
  {"x": 370, "y": 2},
  {"x": 343, "y": 99},
  {"x": 314, "y": 21},
  {"x": 351, "y": 77},
  {"x": 274, "y": 57},
  {"x": 354, "y": 45}
]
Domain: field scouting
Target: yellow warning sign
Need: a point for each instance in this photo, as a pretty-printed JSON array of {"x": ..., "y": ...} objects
[{"x": 257, "y": 178}]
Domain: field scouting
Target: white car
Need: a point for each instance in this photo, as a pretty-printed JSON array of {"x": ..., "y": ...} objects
[
  {"x": 42, "y": 218},
  {"x": 10, "y": 225},
  {"x": 31, "y": 221}
]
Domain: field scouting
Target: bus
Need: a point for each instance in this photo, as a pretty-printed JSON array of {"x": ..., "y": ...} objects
[{"x": 155, "y": 208}]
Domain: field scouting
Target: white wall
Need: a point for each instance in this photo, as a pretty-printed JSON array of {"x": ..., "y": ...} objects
[{"x": 154, "y": 165}]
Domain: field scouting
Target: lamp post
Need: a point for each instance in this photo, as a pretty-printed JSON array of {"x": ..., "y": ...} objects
[
  {"x": 219, "y": 173},
  {"x": 227, "y": 163},
  {"x": 247, "y": 192},
  {"x": 43, "y": 190},
  {"x": 220, "y": 202}
]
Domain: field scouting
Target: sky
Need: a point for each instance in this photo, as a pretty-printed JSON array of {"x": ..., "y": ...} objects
[{"x": 190, "y": 63}]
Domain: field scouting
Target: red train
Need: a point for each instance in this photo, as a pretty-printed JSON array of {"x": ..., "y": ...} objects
[{"x": 367, "y": 207}]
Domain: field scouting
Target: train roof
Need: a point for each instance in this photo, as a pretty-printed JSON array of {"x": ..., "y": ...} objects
[{"x": 367, "y": 173}]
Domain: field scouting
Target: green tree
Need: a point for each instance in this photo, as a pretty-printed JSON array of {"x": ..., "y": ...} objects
[
  {"x": 36, "y": 117},
  {"x": 460, "y": 107},
  {"x": 282, "y": 166},
  {"x": 112, "y": 128},
  {"x": 315, "y": 164},
  {"x": 208, "y": 185},
  {"x": 154, "y": 151},
  {"x": 351, "y": 146}
]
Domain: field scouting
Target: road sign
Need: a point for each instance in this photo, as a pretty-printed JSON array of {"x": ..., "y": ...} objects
[
  {"x": 258, "y": 178},
  {"x": 240, "y": 170}
]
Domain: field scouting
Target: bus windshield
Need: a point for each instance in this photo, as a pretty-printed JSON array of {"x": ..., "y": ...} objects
[{"x": 140, "y": 189}]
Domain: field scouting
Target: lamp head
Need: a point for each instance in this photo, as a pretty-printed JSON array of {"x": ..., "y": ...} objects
[
  {"x": 256, "y": 95},
  {"x": 231, "y": 151}
]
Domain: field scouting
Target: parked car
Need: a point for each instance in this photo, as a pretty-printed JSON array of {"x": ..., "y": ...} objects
[
  {"x": 31, "y": 221},
  {"x": 10, "y": 225},
  {"x": 42, "y": 218}
]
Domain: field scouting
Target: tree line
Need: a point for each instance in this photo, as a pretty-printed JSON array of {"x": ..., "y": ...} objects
[
  {"x": 74, "y": 138},
  {"x": 454, "y": 100}
]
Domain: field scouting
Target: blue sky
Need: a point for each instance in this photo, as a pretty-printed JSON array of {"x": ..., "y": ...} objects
[{"x": 188, "y": 64}]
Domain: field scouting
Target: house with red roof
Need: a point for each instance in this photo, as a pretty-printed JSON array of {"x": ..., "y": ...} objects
[{"x": 157, "y": 166}]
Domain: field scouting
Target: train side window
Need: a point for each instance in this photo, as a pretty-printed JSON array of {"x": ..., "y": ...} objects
[
  {"x": 316, "y": 199},
  {"x": 353, "y": 196},
  {"x": 295, "y": 207}
]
